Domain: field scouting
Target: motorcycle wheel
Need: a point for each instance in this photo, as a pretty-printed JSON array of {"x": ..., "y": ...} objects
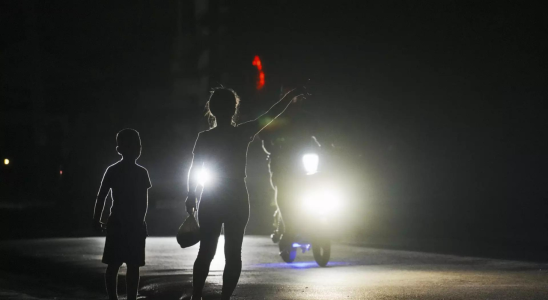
[
  {"x": 288, "y": 255},
  {"x": 322, "y": 252}
]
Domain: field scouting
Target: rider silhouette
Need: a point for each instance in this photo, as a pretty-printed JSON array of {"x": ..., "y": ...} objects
[{"x": 285, "y": 142}]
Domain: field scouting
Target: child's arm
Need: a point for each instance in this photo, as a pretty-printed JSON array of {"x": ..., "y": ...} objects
[
  {"x": 147, "y": 184},
  {"x": 100, "y": 201}
]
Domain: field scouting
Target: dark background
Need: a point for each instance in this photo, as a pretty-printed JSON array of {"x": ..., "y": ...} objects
[{"x": 435, "y": 107}]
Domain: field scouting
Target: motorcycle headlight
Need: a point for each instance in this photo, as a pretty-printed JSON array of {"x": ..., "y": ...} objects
[
  {"x": 332, "y": 200},
  {"x": 310, "y": 162},
  {"x": 322, "y": 202}
]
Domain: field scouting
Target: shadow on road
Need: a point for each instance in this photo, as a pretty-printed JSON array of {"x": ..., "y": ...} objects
[{"x": 44, "y": 278}]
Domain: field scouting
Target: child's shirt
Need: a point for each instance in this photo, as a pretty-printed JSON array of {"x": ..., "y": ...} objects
[{"x": 128, "y": 183}]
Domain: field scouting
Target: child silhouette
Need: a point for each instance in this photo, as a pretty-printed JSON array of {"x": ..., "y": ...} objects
[{"x": 128, "y": 184}]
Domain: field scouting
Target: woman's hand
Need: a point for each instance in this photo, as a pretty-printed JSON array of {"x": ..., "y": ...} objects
[
  {"x": 190, "y": 204},
  {"x": 98, "y": 226},
  {"x": 297, "y": 94}
]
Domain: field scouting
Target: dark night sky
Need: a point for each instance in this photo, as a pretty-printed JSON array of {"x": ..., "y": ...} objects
[
  {"x": 443, "y": 99},
  {"x": 453, "y": 88}
]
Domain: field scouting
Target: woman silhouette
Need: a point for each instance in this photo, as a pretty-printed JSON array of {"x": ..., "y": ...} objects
[{"x": 222, "y": 152}]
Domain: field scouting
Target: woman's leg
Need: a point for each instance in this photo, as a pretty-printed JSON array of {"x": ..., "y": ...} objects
[
  {"x": 210, "y": 229},
  {"x": 234, "y": 235}
]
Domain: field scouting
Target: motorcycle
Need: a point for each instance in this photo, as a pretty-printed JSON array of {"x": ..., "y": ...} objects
[{"x": 317, "y": 201}]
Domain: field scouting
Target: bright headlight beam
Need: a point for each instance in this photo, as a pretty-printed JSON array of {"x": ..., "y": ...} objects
[
  {"x": 204, "y": 177},
  {"x": 322, "y": 202},
  {"x": 310, "y": 162},
  {"x": 309, "y": 204}
]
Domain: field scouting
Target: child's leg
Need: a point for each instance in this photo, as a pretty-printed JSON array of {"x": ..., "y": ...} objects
[
  {"x": 111, "y": 281},
  {"x": 132, "y": 281}
]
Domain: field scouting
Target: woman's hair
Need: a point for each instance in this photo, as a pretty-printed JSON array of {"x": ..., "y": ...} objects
[{"x": 222, "y": 100}]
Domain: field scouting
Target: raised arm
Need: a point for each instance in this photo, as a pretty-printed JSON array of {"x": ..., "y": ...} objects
[{"x": 255, "y": 126}]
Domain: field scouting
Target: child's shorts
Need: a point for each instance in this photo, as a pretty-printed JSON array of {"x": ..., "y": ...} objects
[{"x": 125, "y": 246}]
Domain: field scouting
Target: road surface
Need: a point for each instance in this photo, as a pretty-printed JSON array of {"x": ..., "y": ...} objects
[{"x": 71, "y": 269}]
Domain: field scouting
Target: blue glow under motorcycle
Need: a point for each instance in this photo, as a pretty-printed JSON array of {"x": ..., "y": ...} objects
[{"x": 317, "y": 201}]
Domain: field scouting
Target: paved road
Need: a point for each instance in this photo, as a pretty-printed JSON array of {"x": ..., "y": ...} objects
[{"x": 71, "y": 269}]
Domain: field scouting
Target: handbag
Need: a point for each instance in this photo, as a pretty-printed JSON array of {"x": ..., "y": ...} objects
[{"x": 189, "y": 232}]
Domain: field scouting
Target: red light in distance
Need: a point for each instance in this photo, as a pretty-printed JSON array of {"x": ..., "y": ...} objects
[{"x": 259, "y": 65}]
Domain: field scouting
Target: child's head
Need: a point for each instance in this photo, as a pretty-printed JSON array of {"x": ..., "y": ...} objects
[
  {"x": 129, "y": 143},
  {"x": 223, "y": 105}
]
